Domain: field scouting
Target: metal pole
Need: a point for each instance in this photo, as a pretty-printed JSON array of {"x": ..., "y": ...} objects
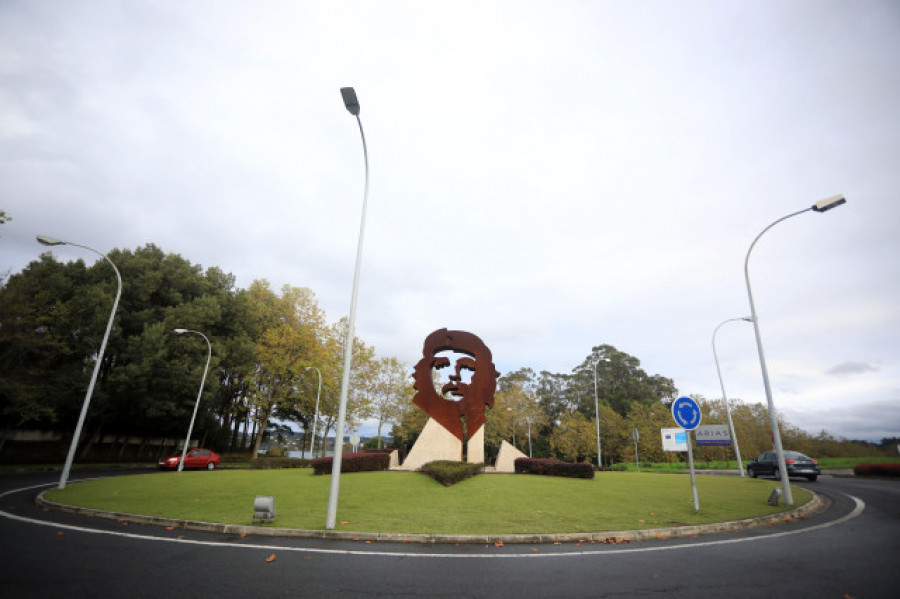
[
  {"x": 90, "y": 390},
  {"x": 597, "y": 413},
  {"x": 734, "y": 439},
  {"x": 331, "y": 518},
  {"x": 187, "y": 439},
  {"x": 693, "y": 475},
  {"x": 773, "y": 417},
  {"x": 637, "y": 459},
  {"x": 312, "y": 443},
  {"x": 528, "y": 420}
]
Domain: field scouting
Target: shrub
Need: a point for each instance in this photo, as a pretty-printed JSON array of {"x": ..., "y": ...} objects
[
  {"x": 448, "y": 472},
  {"x": 272, "y": 463},
  {"x": 877, "y": 469},
  {"x": 354, "y": 462},
  {"x": 551, "y": 467}
]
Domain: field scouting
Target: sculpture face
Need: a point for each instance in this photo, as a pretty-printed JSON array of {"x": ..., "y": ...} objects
[{"x": 468, "y": 387}]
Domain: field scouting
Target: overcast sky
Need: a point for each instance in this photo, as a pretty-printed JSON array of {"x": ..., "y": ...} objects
[{"x": 550, "y": 176}]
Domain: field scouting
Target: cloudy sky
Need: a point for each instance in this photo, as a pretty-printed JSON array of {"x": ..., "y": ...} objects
[{"x": 548, "y": 175}]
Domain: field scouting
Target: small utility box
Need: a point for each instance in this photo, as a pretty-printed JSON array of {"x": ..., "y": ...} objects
[
  {"x": 775, "y": 497},
  {"x": 264, "y": 508}
]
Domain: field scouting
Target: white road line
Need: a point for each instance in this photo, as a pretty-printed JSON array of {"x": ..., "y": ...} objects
[{"x": 857, "y": 510}]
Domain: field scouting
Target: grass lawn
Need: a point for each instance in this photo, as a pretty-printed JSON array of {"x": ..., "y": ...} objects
[{"x": 409, "y": 502}]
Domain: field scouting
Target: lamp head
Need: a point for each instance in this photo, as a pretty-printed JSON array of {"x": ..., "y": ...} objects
[
  {"x": 350, "y": 101},
  {"x": 747, "y": 318},
  {"x": 44, "y": 240},
  {"x": 829, "y": 203},
  {"x": 180, "y": 331}
]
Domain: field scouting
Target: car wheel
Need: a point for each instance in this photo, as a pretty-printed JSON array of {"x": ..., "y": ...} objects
[
  {"x": 777, "y": 474},
  {"x": 812, "y": 478},
  {"x": 751, "y": 472},
  {"x": 210, "y": 465}
]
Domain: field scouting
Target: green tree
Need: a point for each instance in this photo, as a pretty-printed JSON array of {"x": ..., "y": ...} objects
[
  {"x": 620, "y": 382},
  {"x": 574, "y": 438},
  {"x": 392, "y": 389}
]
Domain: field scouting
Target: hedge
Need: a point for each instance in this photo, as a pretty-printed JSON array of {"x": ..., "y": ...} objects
[
  {"x": 448, "y": 472},
  {"x": 877, "y": 469},
  {"x": 551, "y": 467},
  {"x": 354, "y": 462},
  {"x": 272, "y": 463}
]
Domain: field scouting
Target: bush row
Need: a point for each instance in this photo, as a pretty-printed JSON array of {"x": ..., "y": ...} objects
[
  {"x": 551, "y": 467},
  {"x": 877, "y": 469},
  {"x": 448, "y": 472},
  {"x": 354, "y": 462},
  {"x": 272, "y": 463}
]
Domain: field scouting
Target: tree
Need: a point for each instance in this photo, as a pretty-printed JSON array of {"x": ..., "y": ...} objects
[
  {"x": 290, "y": 340},
  {"x": 516, "y": 411},
  {"x": 620, "y": 382},
  {"x": 574, "y": 438},
  {"x": 392, "y": 389}
]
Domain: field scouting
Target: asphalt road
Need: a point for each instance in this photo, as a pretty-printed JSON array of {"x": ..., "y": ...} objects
[{"x": 851, "y": 550}]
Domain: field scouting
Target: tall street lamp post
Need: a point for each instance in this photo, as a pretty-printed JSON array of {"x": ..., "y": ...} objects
[
  {"x": 49, "y": 241},
  {"x": 734, "y": 439},
  {"x": 312, "y": 443},
  {"x": 821, "y": 206},
  {"x": 597, "y": 412},
  {"x": 187, "y": 439},
  {"x": 352, "y": 105}
]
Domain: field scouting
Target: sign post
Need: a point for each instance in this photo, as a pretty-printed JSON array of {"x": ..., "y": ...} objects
[
  {"x": 687, "y": 415},
  {"x": 637, "y": 461}
]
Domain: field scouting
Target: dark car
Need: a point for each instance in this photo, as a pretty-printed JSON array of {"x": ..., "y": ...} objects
[
  {"x": 194, "y": 458},
  {"x": 796, "y": 464}
]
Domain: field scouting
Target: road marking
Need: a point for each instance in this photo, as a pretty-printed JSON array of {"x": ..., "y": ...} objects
[{"x": 857, "y": 510}]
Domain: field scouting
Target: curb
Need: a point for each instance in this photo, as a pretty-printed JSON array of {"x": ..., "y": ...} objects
[{"x": 817, "y": 505}]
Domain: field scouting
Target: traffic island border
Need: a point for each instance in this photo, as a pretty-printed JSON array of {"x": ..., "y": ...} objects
[{"x": 815, "y": 506}]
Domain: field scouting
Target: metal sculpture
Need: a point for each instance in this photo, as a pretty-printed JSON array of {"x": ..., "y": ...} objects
[{"x": 459, "y": 406}]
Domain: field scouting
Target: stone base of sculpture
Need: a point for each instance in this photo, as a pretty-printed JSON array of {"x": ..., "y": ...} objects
[
  {"x": 506, "y": 458},
  {"x": 437, "y": 443}
]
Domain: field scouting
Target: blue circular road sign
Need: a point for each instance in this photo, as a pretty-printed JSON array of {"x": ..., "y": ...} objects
[{"x": 686, "y": 413}]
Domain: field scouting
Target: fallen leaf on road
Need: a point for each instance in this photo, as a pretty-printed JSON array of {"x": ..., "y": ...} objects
[
  {"x": 498, "y": 544},
  {"x": 271, "y": 558},
  {"x": 59, "y": 534}
]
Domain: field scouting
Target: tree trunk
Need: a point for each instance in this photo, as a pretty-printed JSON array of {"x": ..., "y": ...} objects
[{"x": 262, "y": 427}]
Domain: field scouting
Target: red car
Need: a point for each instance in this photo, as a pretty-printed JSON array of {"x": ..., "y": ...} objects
[{"x": 194, "y": 458}]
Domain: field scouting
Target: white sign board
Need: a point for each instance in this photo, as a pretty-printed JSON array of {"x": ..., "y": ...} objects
[
  {"x": 712, "y": 434},
  {"x": 674, "y": 439}
]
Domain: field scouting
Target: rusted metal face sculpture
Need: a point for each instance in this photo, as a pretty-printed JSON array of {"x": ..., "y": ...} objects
[{"x": 460, "y": 404}]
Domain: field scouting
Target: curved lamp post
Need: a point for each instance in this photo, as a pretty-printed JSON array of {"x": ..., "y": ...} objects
[
  {"x": 187, "y": 439},
  {"x": 49, "y": 241},
  {"x": 597, "y": 411},
  {"x": 312, "y": 443},
  {"x": 821, "y": 206},
  {"x": 734, "y": 439},
  {"x": 352, "y": 105}
]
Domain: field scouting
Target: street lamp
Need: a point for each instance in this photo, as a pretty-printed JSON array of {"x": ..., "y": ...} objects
[
  {"x": 352, "y": 105},
  {"x": 49, "y": 241},
  {"x": 187, "y": 439},
  {"x": 597, "y": 411},
  {"x": 312, "y": 443},
  {"x": 820, "y": 206},
  {"x": 528, "y": 420},
  {"x": 734, "y": 439}
]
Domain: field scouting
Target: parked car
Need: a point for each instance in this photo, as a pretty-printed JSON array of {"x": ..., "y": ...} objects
[
  {"x": 796, "y": 464},
  {"x": 194, "y": 458}
]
